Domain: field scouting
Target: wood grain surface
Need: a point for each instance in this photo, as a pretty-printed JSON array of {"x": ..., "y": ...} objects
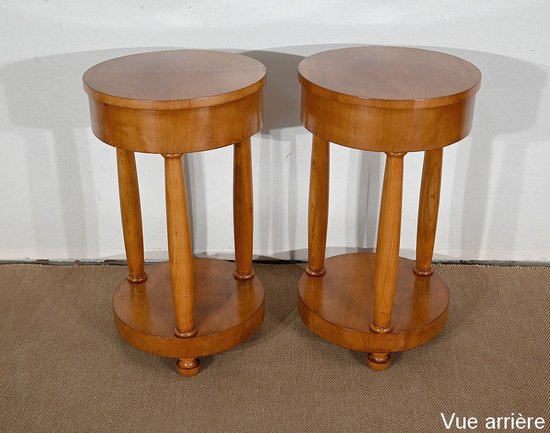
[
  {"x": 388, "y": 99},
  {"x": 339, "y": 306},
  {"x": 318, "y": 206},
  {"x": 243, "y": 210},
  {"x": 389, "y": 77},
  {"x": 180, "y": 248},
  {"x": 175, "y": 101},
  {"x": 428, "y": 209},
  {"x": 392, "y": 100},
  {"x": 228, "y": 311},
  {"x": 130, "y": 209},
  {"x": 172, "y": 103},
  {"x": 175, "y": 79}
]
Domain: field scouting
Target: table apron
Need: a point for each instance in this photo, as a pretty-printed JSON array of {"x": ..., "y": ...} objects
[
  {"x": 384, "y": 129},
  {"x": 177, "y": 131}
]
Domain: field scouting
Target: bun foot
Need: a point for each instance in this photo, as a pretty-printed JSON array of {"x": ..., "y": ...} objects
[
  {"x": 188, "y": 366},
  {"x": 378, "y": 361}
]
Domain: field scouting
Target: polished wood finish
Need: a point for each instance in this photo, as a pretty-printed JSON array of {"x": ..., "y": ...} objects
[
  {"x": 387, "y": 254},
  {"x": 243, "y": 210},
  {"x": 339, "y": 306},
  {"x": 130, "y": 210},
  {"x": 378, "y": 361},
  {"x": 188, "y": 366},
  {"x": 168, "y": 117},
  {"x": 392, "y": 100},
  {"x": 228, "y": 311},
  {"x": 427, "y": 211},
  {"x": 387, "y": 247},
  {"x": 180, "y": 250},
  {"x": 171, "y": 103},
  {"x": 389, "y": 77},
  {"x": 177, "y": 131},
  {"x": 318, "y": 206},
  {"x": 183, "y": 79},
  {"x": 429, "y": 128},
  {"x": 421, "y": 99}
]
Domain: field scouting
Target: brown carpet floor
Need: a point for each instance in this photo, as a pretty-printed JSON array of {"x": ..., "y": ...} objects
[{"x": 64, "y": 369}]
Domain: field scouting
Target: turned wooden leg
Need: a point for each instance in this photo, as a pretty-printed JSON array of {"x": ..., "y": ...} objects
[
  {"x": 243, "y": 218},
  {"x": 387, "y": 254},
  {"x": 180, "y": 252},
  {"x": 427, "y": 211},
  {"x": 130, "y": 210},
  {"x": 318, "y": 206}
]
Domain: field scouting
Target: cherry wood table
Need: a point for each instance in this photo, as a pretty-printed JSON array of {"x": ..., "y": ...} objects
[
  {"x": 172, "y": 103},
  {"x": 391, "y": 100}
]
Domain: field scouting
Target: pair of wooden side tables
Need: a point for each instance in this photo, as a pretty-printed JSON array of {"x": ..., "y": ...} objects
[{"x": 384, "y": 99}]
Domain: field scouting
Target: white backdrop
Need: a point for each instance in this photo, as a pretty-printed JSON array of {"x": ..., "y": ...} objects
[{"x": 58, "y": 182}]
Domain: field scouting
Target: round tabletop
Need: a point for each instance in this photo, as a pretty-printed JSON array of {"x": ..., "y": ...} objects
[
  {"x": 176, "y": 79},
  {"x": 389, "y": 77}
]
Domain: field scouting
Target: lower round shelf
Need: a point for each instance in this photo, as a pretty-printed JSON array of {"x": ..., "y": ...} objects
[
  {"x": 227, "y": 311},
  {"x": 339, "y": 305}
]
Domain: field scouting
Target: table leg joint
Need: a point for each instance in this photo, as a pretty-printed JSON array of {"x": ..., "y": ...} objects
[
  {"x": 136, "y": 279},
  {"x": 185, "y": 334},
  {"x": 315, "y": 272}
]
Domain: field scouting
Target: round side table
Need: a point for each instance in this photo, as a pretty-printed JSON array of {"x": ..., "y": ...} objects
[
  {"x": 172, "y": 103},
  {"x": 391, "y": 100}
]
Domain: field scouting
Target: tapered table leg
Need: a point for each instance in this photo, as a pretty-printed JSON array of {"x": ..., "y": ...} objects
[
  {"x": 387, "y": 254},
  {"x": 243, "y": 218},
  {"x": 428, "y": 210},
  {"x": 130, "y": 210},
  {"x": 318, "y": 206},
  {"x": 181, "y": 256}
]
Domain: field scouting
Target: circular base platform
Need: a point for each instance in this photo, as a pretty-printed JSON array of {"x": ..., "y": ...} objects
[
  {"x": 338, "y": 306},
  {"x": 227, "y": 310}
]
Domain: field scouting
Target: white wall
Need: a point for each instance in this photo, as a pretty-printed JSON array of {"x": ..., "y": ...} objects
[{"x": 58, "y": 182}]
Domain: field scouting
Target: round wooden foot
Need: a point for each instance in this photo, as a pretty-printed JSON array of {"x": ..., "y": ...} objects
[
  {"x": 378, "y": 361},
  {"x": 339, "y": 305},
  {"x": 188, "y": 366},
  {"x": 227, "y": 311}
]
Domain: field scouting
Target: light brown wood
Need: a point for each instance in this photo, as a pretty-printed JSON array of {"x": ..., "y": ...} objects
[
  {"x": 387, "y": 246},
  {"x": 188, "y": 366},
  {"x": 199, "y": 100},
  {"x": 378, "y": 361},
  {"x": 177, "y": 131},
  {"x": 183, "y": 79},
  {"x": 387, "y": 253},
  {"x": 339, "y": 306},
  {"x": 243, "y": 211},
  {"x": 171, "y": 103},
  {"x": 228, "y": 311},
  {"x": 318, "y": 206},
  {"x": 389, "y": 77},
  {"x": 180, "y": 249},
  {"x": 393, "y": 100},
  {"x": 130, "y": 210},
  {"x": 412, "y": 130},
  {"x": 421, "y": 99},
  {"x": 427, "y": 211}
]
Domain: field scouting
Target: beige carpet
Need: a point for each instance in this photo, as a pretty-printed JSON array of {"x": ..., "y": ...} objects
[{"x": 64, "y": 369}]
